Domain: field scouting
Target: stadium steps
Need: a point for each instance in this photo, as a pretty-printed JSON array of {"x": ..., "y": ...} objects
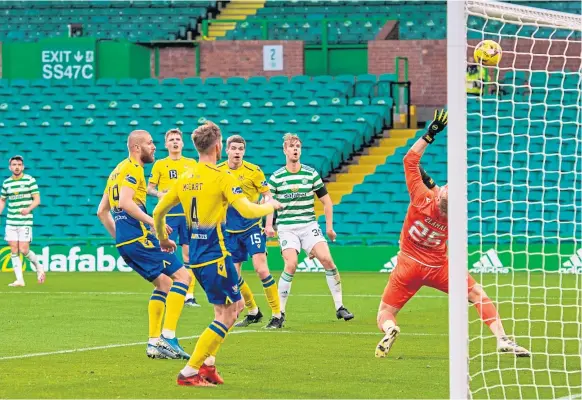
[
  {"x": 234, "y": 10},
  {"x": 365, "y": 165}
]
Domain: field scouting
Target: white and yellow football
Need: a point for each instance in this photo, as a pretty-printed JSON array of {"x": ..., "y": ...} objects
[{"x": 488, "y": 52}]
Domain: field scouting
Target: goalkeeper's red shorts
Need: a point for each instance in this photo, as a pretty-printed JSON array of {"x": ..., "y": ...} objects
[{"x": 409, "y": 276}]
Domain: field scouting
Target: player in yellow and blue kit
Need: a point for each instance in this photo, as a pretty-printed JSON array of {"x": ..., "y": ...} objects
[
  {"x": 245, "y": 237},
  {"x": 164, "y": 174},
  {"x": 122, "y": 210},
  {"x": 205, "y": 193}
]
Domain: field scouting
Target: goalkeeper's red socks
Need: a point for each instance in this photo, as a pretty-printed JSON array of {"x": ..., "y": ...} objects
[{"x": 487, "y": 311}]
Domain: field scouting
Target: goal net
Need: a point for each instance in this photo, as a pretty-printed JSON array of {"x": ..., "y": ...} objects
[{"x": 524, "y": 197}]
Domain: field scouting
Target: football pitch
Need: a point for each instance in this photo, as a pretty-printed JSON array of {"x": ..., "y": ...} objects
[{"x": 83, "y": 336}]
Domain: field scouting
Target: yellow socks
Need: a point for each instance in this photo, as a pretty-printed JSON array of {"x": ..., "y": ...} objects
[
  {"x": 174, "y": 306},
  {"x": 192, "y": 284},
  {"x": 272, "y": 294},
  {"x": 156, "y": 307},
  {"x": 208, "y": 344},
  {"x": 247, "y": 295}
]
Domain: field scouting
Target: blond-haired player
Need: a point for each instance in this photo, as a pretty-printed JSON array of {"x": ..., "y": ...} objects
[
  {"x": 245, "y": 237},
  {"x": 205, "y": 193},
  {"x": 295, "y": 185},
  {"x": 165, "y": 173}
]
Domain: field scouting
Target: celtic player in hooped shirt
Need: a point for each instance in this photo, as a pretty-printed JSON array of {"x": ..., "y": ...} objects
[
  {"x": 296, "y": 186},
  {"x": 22, "y": 194},
  {"x": 205, "y": 193}
]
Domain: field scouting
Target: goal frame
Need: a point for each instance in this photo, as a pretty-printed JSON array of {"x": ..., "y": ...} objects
[
  {"x": 457, "y": 180},
  {"x": 457, "y": 162}
]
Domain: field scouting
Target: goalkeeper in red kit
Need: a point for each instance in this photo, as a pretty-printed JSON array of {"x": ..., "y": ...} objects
[{"x": 422, "y": 260}]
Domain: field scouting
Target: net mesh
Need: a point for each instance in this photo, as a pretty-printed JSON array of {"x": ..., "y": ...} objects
[{"x": 525, "y": 199}]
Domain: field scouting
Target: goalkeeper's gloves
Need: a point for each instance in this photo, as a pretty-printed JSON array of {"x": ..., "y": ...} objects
[
  {"x": 428, "y": 181},
  {"x": 437, "y": 125}
]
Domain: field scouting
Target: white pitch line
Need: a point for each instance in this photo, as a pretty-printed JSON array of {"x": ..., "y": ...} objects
[
  {"x": 378, "y": 295},
  {"x": 115, "y": 346}
]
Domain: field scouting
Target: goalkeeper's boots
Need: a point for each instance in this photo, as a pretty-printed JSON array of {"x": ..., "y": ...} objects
[
  {"x": 250, "y": 319},
  {"x": 40, "y": 276},
  {"x": 172, "y": 346},
  {"x": 156, "y": 351},
  {"x": 210, "y": 374},
  {"x": 343, "y": 312},
  {"x": 17, "y": 284},
  {"x": 506, "y": 345},
  {"x": 387, "y": 341},
  {"x": 275, "y": 323},
  {"x": 191, "y": 302},
  {"x": 194, "y": 380}
]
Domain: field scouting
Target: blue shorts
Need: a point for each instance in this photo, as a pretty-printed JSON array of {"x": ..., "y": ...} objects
[
  {"x": 244, "y": 244},
  {"x": 179, "y": 229},
  {"x": 147, "y": 259},
  {"x": 220, "y": 281}
]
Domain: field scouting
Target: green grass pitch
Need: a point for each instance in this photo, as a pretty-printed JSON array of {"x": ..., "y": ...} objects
[{"x": 104, "y": 317}]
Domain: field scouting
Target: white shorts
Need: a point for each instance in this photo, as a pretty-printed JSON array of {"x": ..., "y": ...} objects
[
  {"x": 304, "y": 236},
  {"x": 18, "y": 234}
]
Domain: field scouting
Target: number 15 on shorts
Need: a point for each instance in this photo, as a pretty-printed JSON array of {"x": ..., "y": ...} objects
[{"x": 256, "y": 240}]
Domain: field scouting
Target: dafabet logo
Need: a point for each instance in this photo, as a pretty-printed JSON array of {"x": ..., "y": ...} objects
[
  {"x": 6, "y": 261},
  {"x": 70, "y": 259}
]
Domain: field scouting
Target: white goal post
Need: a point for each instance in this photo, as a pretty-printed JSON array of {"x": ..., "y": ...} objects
[{"x": 514, "y": 163}]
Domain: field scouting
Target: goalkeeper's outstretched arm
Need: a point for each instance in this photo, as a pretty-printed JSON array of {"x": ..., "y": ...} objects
[{"x": 414, "y": 179}]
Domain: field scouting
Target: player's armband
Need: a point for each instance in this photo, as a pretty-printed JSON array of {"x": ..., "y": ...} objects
[
  {"x": 428, "y": 181},
  {"x": 321, "y": 192}
]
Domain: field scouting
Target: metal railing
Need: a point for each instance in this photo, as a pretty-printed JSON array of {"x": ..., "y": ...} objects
[{"x": 265, "y": 23}]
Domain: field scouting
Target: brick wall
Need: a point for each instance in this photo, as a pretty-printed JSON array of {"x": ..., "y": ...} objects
[
  {"x": 175, "y": 62},
  {"x": 428, "y": 62},
  {"x": 227, "y": 58},
  {"x": 245, "y": 58},
  {"x": 542, "y": 55}
]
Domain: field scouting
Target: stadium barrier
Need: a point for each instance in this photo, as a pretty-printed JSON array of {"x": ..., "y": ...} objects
[{"x": 498, "y": 260}]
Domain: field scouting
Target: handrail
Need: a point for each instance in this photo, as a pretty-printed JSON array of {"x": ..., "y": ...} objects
[{"x": 397, "y": 67}]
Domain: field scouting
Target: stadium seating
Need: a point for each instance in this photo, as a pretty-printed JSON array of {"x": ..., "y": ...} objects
[
  {"x": 537, "y": 147},
  {"x": 137, "y": 21},
  {"x": 73, "y": 136},
  {"x": 141, "y": 21},
  {"x": 358, "y": 23},
  {"x": 348, "y": 22}
]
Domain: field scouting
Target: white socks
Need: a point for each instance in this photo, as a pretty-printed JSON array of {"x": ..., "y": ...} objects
[
  {"x": 254, "y": 311},
  {"x": 153, "y": 340},
  {"x": 188, "y": 371},
  {"x": 210, "y": 361},
  {"x": 387, "y": 325},
  {"x": 284, "y": 288},
  {"x": 17, "y": 266},
  {"x": 335, "y": 286},
  {"x": 168, "y": 334},
  {"x": 34, "y": 261}
]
